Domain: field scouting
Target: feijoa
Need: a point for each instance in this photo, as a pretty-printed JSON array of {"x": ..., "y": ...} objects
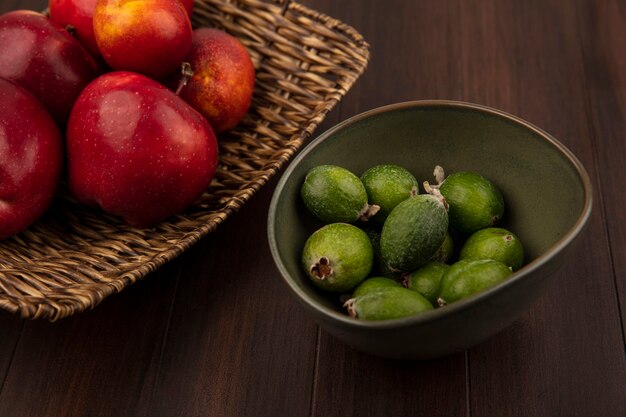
[
  {"x": 426, "y": 280},
  {"x": 387, "y": 303},
  {"x": 474, "y": 201},
  {"x": 413, "y": 232},
  {"x": 445, "y": 251},
  {"x": 387, "y": 186},
  {"x": 337, "y": 257},
  {"x": 334, "y": 194},
  {"x": 373, "y": 284},
  {"x": 470, "y": 276},
  {"x": 380, "y": 267},
  {"x": 494, "y": 243}
]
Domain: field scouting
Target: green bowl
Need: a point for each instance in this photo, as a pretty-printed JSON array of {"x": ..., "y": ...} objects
[{"x": 548, "y": 198}]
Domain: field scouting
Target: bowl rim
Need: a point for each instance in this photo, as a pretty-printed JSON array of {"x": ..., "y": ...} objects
[{"x": 453, "y": 308}]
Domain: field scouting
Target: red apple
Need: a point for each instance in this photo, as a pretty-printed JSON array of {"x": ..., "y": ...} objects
[
  {"x": 188, "y": 5},
  {"x": 146, "y": 36},
  {"x": 77, "y": 14},
  {"x": 137, "y": 150},
  {"x": 45, "y": 59},
  {"x": 223, "y": 78},
  {"x": 31, "y": 157}
]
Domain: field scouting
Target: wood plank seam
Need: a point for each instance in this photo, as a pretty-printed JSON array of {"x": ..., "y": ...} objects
[{"x": 599, "y": 194}]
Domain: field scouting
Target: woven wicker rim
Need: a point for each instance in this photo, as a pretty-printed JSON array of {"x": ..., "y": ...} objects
[{"x": 75, "y": 257}]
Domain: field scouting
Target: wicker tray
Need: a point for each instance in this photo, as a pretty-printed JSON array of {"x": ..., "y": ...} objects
[{"x": 74, "y": 257}]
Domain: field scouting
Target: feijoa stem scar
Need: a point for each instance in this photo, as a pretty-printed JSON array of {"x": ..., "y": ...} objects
[
  {"x": 434, "y": 191},
  {"x": 368, "y": 211},
  {"x": 349, "y": 306},
  {"x": 439, "y": 174},
  {"x": 322, "y": 268}
]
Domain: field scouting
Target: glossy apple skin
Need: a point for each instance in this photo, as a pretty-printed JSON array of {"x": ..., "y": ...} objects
[
  {"x": 188, "y": 5},
  {"x": 150, "y": 37},
  {"x": 137, "y": 150},
  {"x": 46, "y": 60},
  {"x": 79, "y": 15},
  {"x": 31, "y": 158},
  {"x": 222, "y": 84}
]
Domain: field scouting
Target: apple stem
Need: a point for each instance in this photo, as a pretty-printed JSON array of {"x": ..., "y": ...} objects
[
  {"x": 71, "y": 30},
  {"x": 187, "y": 73}
]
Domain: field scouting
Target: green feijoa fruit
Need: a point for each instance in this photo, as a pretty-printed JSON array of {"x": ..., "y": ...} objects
[
  {"x": 494, "y": 243},
  {"x": 334, "y": 194},
  {"x": 474, "y": 201},
  {"x": 387, "y": 186},
  {"x": 445, "y": 251},
  {"x": 374, "y": 284},
  {"x": 380, "y": 267},
  {"x": 413, "y": 232},
  {"x": 387, "y": 303},
  {"x": 337, "y": 257},
  {"x": 470, "y": 276},
  {"x": 426, "y": 280}
]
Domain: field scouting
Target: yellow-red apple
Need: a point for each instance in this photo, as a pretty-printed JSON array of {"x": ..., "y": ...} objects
[
  {"x": 150, "y": 37},
  {"x": 222, "y": 83},
  {"x": 188, "y": 4}
]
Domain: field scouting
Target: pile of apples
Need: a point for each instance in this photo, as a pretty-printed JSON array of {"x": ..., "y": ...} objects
[{"x": 95, "y": 94}]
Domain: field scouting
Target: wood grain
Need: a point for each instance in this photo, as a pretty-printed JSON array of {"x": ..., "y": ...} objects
[
  {"x": 602, "y": 34},
  {"x": 217, "y": 333},
  {"x": 101, "y": 363},
  {"x": 10, "y": 330},
  {"x": 541, "y": 78},
  {"x": 238, "y": 344},
  {"x": 405, "y": 66},
  {"x": 351, "y": 383},
  {"x": 504, "y": 64}
]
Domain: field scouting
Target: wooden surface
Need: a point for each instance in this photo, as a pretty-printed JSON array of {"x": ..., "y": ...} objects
[{"x": 216, "y": 333}]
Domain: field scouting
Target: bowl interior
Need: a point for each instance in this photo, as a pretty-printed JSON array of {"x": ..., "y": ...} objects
[{"x": 540, "y": 180}]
